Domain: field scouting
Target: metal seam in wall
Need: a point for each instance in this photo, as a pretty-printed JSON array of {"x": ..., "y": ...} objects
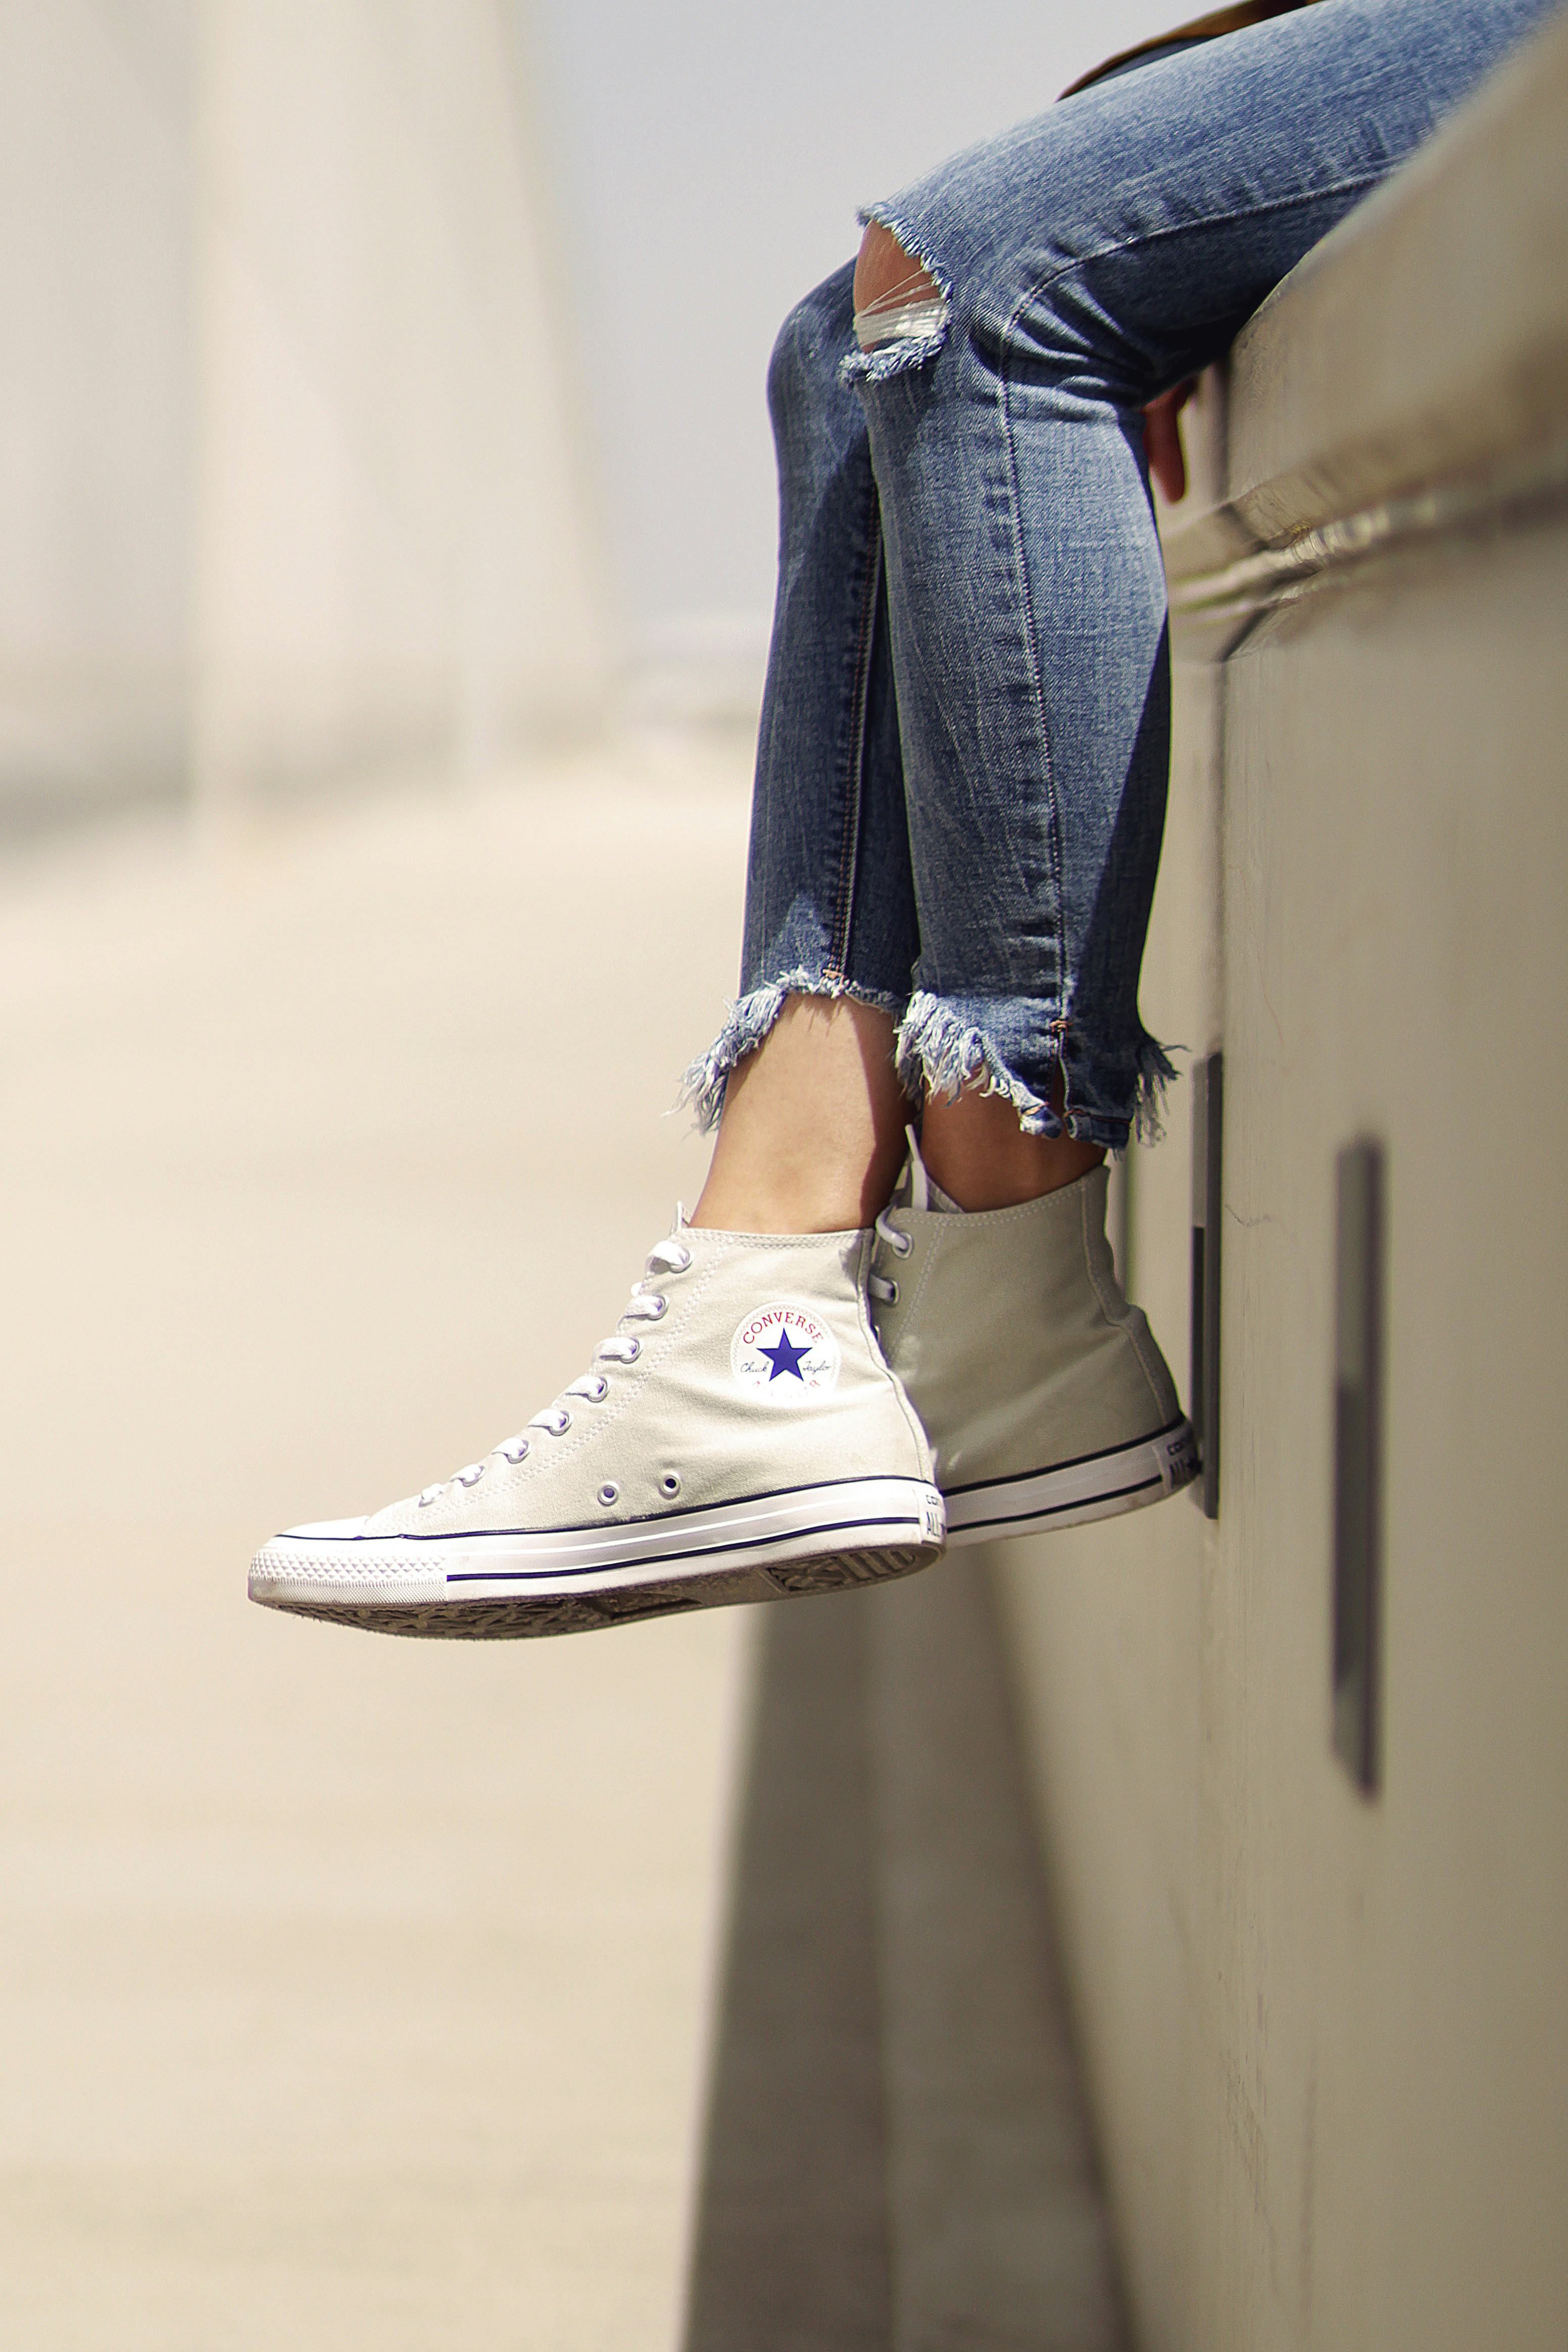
[
  {"x": 1208, "y": 1203},
  {"x": 1358, "y": 1251}
]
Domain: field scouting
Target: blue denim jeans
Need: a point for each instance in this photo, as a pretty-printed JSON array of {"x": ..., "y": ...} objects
[{"x": 961, "y": 767}]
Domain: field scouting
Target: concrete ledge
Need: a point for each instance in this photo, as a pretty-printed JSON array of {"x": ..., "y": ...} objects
[{"x": 1357, "y": 434}]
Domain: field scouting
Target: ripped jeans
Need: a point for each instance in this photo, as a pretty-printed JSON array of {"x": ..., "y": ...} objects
[{"x": 962, "y": 768}]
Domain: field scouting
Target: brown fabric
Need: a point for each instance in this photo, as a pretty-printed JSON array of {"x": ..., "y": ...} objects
[{"x": 1202, "y": 29}]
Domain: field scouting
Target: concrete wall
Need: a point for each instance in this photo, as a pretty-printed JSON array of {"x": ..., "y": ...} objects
[
  {"x": 289, "y": 477},
  {"x": 1325, "y": 2031}
]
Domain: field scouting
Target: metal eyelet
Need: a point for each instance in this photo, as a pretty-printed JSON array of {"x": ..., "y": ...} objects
[
  {"x": 904, "y": 1242},
  {"x": 472, "y": 1477},
  {"x": 634, "y": 1350},
  {"x": 608, "y": 1493},
  {"x": 602, "y": 1392},
  {"x": 670, "y": 1485},
  {"x": 563, "y": 1424},
  {"x": 657, "y": 1305},
  {"x": 889, "y": 1293}
]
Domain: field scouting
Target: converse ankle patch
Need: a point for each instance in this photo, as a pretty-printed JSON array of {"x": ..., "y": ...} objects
[{"x": 783, "y": 1353}]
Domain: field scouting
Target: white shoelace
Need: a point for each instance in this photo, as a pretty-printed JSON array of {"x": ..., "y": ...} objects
[
  {"x": 884, "y": 1290},
  {"x": 645, "y": 1306},
  {"x": 900, "y": 1243}
]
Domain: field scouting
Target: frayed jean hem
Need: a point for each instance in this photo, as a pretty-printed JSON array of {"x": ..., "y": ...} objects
[
  {"x": 936, "y": 1050},
  {"x": 751, "y": 1017},
  {"x": 940, "y": 1051}
]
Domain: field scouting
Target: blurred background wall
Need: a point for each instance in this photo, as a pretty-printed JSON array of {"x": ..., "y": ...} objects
[
  {"x": 383, "y": 378},
  {"x": 289, "y": 481}
]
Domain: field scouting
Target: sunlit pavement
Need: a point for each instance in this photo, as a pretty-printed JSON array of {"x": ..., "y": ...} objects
[{"x": 354, "y": 1992}]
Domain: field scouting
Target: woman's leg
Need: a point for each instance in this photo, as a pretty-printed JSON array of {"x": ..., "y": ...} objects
[
  {"x": 739, "y": 1434},
  {"x": 813, "y": 1135},
  {"x": 813, "y": 1132},
  {"x": 1083, "y": 264},
  {"x": 999, "y": 819}
]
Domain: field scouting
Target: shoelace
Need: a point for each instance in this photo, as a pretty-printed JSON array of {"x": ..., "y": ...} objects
[
  {"x": 879, "y": 1286},
  {"x": 645, "y": 1306}
]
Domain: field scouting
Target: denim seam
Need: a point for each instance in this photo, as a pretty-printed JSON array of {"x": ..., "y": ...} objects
[
  {"x": 849, "y": 847},
  {"x": 1183, "y": 228},
  {"x": 1042, "y": 725}
]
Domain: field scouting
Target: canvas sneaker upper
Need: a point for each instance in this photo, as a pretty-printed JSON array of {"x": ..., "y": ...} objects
[{"x": 1023, "y": 1359}]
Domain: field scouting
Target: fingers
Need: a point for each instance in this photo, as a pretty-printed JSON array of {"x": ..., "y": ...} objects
[{"x": 1163, "y": 440}]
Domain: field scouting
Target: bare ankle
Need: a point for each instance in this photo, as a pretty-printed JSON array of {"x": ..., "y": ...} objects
[
  {"x": 812, "y": 1135},
  {"x": 975, "y": 1149}
]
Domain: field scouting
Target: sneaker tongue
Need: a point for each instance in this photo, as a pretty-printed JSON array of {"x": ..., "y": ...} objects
[
  {"x": 917, "y": 1190},
  {"x": 916, "y": 1185}
]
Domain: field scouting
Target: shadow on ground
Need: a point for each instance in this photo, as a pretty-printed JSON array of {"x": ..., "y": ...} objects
[{"x": 897, "y": 2152}]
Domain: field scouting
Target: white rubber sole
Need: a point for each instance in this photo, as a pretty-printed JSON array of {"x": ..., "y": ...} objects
[
  {"x": 1098, "y": 1486},
  {"x": 511, "y": 1584}
]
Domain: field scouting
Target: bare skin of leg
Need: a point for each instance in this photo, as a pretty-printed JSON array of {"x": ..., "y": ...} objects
[
  {"x": 812, "y": 1135},
  {"x": 886, "y": 277},
  {"x": 975, "y": 1149}
]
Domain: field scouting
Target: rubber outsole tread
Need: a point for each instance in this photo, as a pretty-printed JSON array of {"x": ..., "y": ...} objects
[{"x": 525, "y": 1617}]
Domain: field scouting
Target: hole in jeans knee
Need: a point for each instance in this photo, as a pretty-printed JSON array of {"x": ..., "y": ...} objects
[{"x": 897, "y": 299}]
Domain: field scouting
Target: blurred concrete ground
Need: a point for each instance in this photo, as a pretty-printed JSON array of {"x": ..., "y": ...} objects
[{"x": 354, "y": 1990}]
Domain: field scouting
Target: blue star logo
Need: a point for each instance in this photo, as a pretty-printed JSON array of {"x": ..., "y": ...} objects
[{"x": 785, "y": 1358}]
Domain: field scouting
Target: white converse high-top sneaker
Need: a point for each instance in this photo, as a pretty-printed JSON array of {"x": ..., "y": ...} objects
[
  {"x": 739, "y": 1437},
  {"x": 1041, "y": 1391}
]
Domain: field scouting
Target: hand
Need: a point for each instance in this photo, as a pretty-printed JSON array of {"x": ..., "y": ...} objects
[{"x": 1163, "y": 439}]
